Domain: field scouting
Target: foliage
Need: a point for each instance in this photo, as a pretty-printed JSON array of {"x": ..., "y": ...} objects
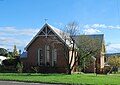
[
  {"x": 19, "y": 67},
  {"x": 6, "y": 53},
  {"x": 114, "y": 61},
  {"x": 10, "y": 54},
  {"x": 6, "y": 69},
  {"x": 3, "y": 52},
  {"x": 82, "y": 79},
  {"x": 9, "y": 65},
  {"x": 88, "y": 45},
  {"x": 10, "y": 62},
  {"x": 88, "y": 49},
  {"x": 15, "y": 52},
  {"x": 35, "y": 69},
  {"x": 107, "y": 69}
]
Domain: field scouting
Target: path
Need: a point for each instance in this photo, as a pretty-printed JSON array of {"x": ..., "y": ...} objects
[{"x": 22, "y": 83}]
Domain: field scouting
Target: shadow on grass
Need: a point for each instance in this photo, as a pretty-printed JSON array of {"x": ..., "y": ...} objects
[
  {"x": 30, "y": 74},
  {"x": 78, "y": 84}
]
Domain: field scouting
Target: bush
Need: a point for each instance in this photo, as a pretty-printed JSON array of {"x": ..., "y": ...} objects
[
  {"x": 10, "y": 62},
  {"x": 9, "y": 65},
  {"x": 7, "y": 69},
  {"x": 19, "y": 67},
  {"x": 107, "y": 69}
]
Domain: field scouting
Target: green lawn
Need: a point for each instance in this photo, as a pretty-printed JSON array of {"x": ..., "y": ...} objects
[{"x": 113, "y": 79}]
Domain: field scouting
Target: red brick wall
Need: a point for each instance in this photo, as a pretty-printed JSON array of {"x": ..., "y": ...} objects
[{"x": 40, "y": 42}]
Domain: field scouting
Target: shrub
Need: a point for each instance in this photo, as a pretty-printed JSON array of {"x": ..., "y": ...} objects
[
  {"x": 107, "y": 69},
  {"x": 10, "y": 62},
  {"x": 35, "y": 69},
  {"x": 19, "y": 67},
  {"x": 9, "y": 65}
]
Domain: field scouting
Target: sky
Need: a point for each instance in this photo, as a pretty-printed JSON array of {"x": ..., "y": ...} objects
[{"x": 20, "y": 20}]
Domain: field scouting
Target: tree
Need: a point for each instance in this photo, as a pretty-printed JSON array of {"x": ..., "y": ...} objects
[
  {"x": 19, "y": 67},
  {"x": 88, "y": 50},
  {"x": 70, "y": 30},
  {"x": 15, "y": 52},
  {"x": 3, "y": 52},
  {"x": 114, "y": 62},
  {"x": 10, "y": 54},
  {"x": 6, "y": 53}
]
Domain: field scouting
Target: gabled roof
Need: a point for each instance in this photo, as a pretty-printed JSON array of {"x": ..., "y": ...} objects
[
  {"x": 96, "y": 36},
  {"x": 100, "y": 37},
  {"x": 56, "y": 31},
  {"x": 62, "y": 35}
]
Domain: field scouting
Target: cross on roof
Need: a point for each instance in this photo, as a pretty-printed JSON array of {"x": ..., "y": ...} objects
[{"x": 46, "y": 20}]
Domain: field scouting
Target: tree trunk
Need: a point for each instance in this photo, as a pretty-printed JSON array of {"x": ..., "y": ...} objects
[
  {"x": 69, "y": 71},
  {"x": 96, "y": 67}
]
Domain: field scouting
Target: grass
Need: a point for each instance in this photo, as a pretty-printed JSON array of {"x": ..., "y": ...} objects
[{"x": 88, "y": 79}]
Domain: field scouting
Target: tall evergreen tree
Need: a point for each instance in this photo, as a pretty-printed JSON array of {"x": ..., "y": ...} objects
[{"x": 15, "y": 52}]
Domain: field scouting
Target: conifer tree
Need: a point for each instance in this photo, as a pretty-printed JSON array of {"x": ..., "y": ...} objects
[{"x": 15, "y": 52}]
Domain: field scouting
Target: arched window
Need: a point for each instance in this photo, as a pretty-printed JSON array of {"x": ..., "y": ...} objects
[
  {"x": 40, "y": 56},
  {"x": 47, "y": 55},
  {"x": 54, "y": 57}
]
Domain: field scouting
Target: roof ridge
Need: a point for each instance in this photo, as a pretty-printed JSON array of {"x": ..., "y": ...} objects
[
  {"x": 57, "y": 31},
  {"x": 93, "y": 34}
]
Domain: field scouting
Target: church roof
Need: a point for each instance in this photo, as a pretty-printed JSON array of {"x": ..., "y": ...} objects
[
  {"x": 99, "y": 37},
  {"x": 62, "y": 35},
  {"x": 95, "y": 36}
]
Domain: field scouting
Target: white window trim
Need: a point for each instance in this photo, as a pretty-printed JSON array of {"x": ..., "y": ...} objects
[{"x": 54, "y": 57}]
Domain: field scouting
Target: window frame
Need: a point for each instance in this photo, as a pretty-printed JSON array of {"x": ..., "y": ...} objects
[
  {"x": 47, "y": 55},
  {"x": 40, "y": 56}
]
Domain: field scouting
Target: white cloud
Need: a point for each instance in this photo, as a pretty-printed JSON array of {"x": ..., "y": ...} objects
[
  {"x": 91, "y": 31},
  {"x": 8, "y": 43},
  {"x": 11, "y": 41},
  {"x": 2, "y": 34},
  {"x": 10, "y": 36},
  {"x": 98, "y": 26},
  {"x": 86, "y": 26},
  {"x": 113, "y": 48},
  {"x": 7, "y": 29},
  {"x": 101, "y": 26},
  {"x": 12, "y": 31}
]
